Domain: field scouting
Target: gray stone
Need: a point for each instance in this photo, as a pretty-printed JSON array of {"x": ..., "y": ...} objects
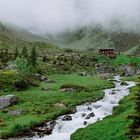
[
  {"x": 90, "y": 115},
  {"x": 89, "y": 108},
  {"x": 40, "y": 77},
  {"x": 97, "y": 106},
  {"x": 129, "y": 70},
  {"x": 15, "y": 112},
  {"x": 124, "y": 83},
  {"x": 84, "y": 114},
  {"x": 8, "y": 100},
  {"x": 60, "y": 105},
  {"x": 67, "y": 118},
  {"x": 50, "y": 81},
  {"x": 11, "y": 67},
  {"x": 85, "y": 123},
  {"x": 83, "y": 74}
]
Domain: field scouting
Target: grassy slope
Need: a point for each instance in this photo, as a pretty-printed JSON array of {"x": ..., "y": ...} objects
[
  {"x": 112, "y": 127},
  {"x": 38, "y": 105}
]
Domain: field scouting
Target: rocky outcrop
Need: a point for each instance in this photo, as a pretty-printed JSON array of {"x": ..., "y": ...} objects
[
  {"x": 102, "y": 69},
  {"x": 129, "y": 70},
  {"x": 8, "y": 100},
  {"x": 45, "y": 129}
]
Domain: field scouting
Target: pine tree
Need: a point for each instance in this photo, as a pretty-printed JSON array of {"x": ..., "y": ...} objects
[
  {"x": 24, "y": 52},
  {"x": 33, "y": 57},
  {"x": 16, "y": 54}
]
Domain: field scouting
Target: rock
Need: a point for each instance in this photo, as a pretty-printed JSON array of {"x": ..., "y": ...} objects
[
  {"x": 85, "y": 123},
  {"x": 50, "y": 81},
  {"x": 98, "y": 119},
  {"x": 90, "y": 115},
  {"x": 15, "y": 112},
  {"x": 124, "y": 83},
  {"x": 67, "y": 90},
  {"x": 73, "y": 88},
  {"x": 67, "y": 118},
  {"x": 84, "y": 114},
  {"x": 45, "y": 89},
  {"x": 11, "y": 67},
  {"x": 83, "y": 74},
  {"x": 112, "y": 102},
  {"x": 45, "y": 129},
  {"x": 73, "y": 110},
  {"x": 89, "y": 108},
  {"x": 60, "y": 105},
  {"x": 103, "y": 69},
  {"x": 128, "y": 70},
  {"x": 97, "y": 106},
  {"x": 40, "y": 77},
  {"x": 8, "y": 100},
  {"x": 112, "y": 93}
]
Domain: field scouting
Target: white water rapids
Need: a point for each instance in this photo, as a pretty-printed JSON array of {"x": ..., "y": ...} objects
[{"x": 101, "y": 109}]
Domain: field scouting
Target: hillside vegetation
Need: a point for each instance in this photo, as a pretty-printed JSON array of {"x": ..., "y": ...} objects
[
  {"x": 93, "y": 39},
  {"x": 14, "y": 37}
]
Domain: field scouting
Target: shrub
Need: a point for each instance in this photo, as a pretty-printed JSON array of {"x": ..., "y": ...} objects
[
  {"x": 23, "y": 68},
  {"x": 7, "y": 80}
]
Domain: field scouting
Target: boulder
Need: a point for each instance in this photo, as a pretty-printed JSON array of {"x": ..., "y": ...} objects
[
  {"x": 112, "y": 93},
  {"x": 40, "y": 77},
  {"x": 83, "y": 74},
  {"x": 84, "y": 114},
  {"x": 89, "y": 108},
  {"x": 8, "y": 100},
  {"x": 72, "y": 88},
  {"x": 97, "y": 106},
  {"x": 50, "y": 81},
  {"x": 46, "y": 128},
  {"x": 15, "y": 112},
  {"x": 60, "y": 105},
  {"x": 113, "y": 102},
  {"x": 45, "y": 89},
  {"x": 67, "y": 118},
  {"x": 129, "y": 70},
  {"x": 11, "y": 67},
  {"x": 85, "y": 123},
  {"x": 124, "y": 83},
  {"x": 73, "y": 110},
  {"x": 90, "y": 115},
  {"x": 102, "y": 69}
]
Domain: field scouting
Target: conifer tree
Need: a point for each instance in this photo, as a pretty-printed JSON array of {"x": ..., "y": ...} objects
[
  {"x": 24, "y": 52},
  {"x": 33, "y": 57}
]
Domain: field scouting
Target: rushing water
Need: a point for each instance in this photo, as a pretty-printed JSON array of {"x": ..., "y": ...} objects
[{"x": 101, "y": 109}]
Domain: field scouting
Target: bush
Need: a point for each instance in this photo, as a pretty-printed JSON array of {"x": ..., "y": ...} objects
[
  {"x": 23, "y": 68},
  {"x": 7, "y": 80}
]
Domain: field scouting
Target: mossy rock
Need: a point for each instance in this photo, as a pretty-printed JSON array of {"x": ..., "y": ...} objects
[{"x": 73, "y": 88}]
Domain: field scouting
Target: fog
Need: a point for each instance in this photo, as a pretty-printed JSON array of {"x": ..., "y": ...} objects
[{"x": 54, "y": 16}]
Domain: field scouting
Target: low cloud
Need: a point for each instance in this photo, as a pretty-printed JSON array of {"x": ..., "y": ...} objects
[{"x": 56, "y": 16}]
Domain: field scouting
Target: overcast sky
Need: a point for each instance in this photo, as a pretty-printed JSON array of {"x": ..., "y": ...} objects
[{"x": 59, "y": 15}]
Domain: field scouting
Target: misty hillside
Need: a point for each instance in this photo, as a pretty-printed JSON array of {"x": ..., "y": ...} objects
[
  {"x": 12, "y": 37},
  {"x": 85, "y": 38},
  {"x": 93, "y": 39}
]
